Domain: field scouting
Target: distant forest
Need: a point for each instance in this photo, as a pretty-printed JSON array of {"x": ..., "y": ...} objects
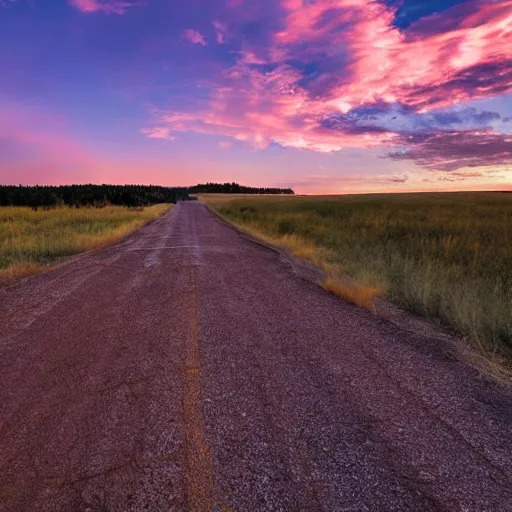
[
  {"x": 235, "y": 188},
  {"x": 40, "y": 196},
  {"x": 89, "y": 195}
]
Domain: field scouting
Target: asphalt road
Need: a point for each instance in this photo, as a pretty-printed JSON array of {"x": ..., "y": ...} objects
[{"x": 188, "y": 368}]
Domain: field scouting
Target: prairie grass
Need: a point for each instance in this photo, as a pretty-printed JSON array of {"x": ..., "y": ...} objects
[
  {"x": 30, "y": 240},
  {"x": 446, "y": 256}
]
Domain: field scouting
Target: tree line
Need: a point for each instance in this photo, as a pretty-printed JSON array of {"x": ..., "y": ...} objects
[
  {"x": 89, "y": 195},
  {"x": 47, "y": 196},
  {"x": 235, "y": 188}
]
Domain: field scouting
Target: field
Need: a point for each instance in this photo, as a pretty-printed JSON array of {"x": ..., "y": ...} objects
[
  {"x": 30, "y": 240},
  {"x": 445, "y": 256}
]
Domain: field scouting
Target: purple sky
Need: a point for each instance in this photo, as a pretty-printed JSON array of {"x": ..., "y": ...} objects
[{"x": 325, "y": 96}]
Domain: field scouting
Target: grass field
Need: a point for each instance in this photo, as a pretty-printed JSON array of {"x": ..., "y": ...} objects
[
  {"x": 447, "y": 256},
  {"x": 30, "y": 240}
]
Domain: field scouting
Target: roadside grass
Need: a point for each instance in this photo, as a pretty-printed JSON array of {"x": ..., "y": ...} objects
[
  {"x": 446, "y": 256},
  {"x": 30, "y": 240}
]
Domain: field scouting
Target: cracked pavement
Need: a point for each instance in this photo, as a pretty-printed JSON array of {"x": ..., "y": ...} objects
[{"x": 187, "y": 368}]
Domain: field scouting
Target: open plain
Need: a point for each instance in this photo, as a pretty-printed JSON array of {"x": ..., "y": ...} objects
[{"x": 445, "y": 256}]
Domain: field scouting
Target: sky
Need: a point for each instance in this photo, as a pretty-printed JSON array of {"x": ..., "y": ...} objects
[{"x": 324, "y": 96}]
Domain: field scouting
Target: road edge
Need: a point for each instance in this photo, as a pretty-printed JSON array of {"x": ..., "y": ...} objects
[
  {"x": 67, "y": 260},
  {"x": 453, "y": 344}
]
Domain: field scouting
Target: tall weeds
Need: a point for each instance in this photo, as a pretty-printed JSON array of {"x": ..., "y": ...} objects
[
  {"x": 447, "y": 256},
  {"x": 31, "y": 239}
]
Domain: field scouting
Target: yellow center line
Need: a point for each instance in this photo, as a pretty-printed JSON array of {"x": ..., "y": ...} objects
[{"x": 199, "y": 465}]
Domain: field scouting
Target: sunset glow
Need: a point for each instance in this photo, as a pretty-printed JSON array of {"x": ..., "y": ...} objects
[{"x": 325, "y": 96}]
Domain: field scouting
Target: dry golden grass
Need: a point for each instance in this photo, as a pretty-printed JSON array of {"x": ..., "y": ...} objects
[
  {"x": 30, "y": 240},
  {"x": 359, "y": 294},
  {"x": 18, "y": 270},
  {"x": 335, "y": 282},
  {"x": 445, "y": 256}
]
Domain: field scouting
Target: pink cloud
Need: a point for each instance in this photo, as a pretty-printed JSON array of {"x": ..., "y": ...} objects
[
  {"x": 108, "y": 6},
  {"x": 194, "y": 37},
  {"x": 159, "y": 132},
  {"x": 386, "y": 65},
  {"x": 220, "y": 32},
  {"x": 359, "y": 58},
  {"x": 261, "y": 108}
]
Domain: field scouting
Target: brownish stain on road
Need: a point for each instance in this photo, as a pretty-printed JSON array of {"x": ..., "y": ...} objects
[{"x": 187, "y": 368}]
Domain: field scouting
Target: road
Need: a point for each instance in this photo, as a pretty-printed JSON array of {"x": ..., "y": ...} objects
[{"x": 188, "y": 368}]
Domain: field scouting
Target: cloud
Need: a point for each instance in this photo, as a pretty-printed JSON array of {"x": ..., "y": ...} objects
[
  {"x": 194, "y": 37},
  {"x": 485, "y": 174},
  {"x": 221, "y": 32},
  {"x": 398, "y": 119},
  {"x": 107, "y": 6},
  {"x": 456, "y": 150},
  {"x": 346, "y": 182},
  {"x": 159, "y": 132},
  {"x": 384, "y": 64},
  {"x": 396, "y": 178},
  {"x": 258, "y": 109},
  {"x": 331, "y": 74}
]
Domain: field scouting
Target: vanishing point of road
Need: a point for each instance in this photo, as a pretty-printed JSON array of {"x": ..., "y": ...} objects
[{"x": 189, "y": 368}]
